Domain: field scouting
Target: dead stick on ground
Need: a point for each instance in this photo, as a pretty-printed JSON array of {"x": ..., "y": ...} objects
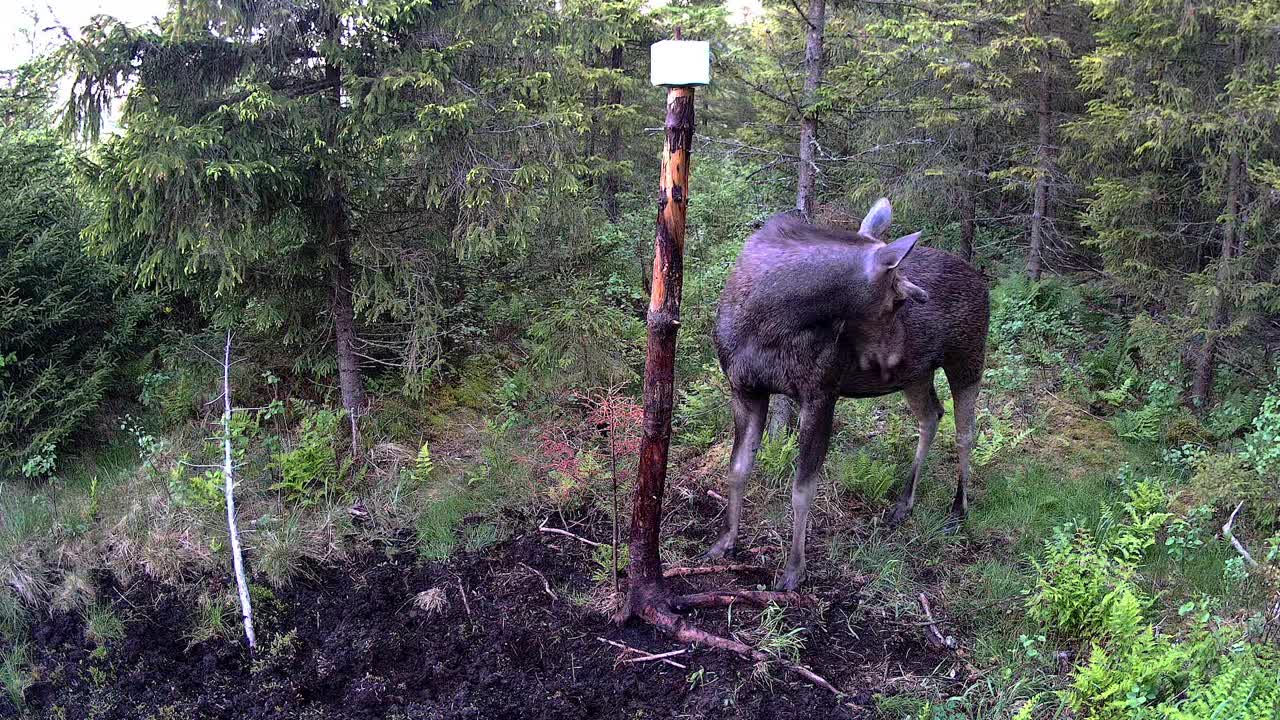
[
  {"x": 463, "y": 592},
  {"x": 545, "y": 585},
  {"x": 709, "y": 570},
  {"x": 566, "y": 533},
  {"x": 659, "y": 656},
  {"x": 935, "y": 636},
  {"x": 1240, "y": 548},
  {"x": 628, "y": 648}
]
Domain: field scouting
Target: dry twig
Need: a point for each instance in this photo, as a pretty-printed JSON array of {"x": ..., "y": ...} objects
[
  {"x": 659, "y": 656},
  {"x": 545, "y": 585},
  {"x": 628, "y": 648},
  {"x": 229, "y": 482},
  {"x": 566, "y": 533},
  {"x": 932, "y": 633}
]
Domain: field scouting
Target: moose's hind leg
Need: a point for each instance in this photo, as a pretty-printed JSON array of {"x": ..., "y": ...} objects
[
  {"x": 924, "y": 404},
  {"x": 749, "y": 410},
  {"x": 965, "y": 400},
  {"x": 815, "y": 436}
]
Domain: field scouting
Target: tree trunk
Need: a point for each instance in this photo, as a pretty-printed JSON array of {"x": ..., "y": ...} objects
[
  {"x": 1044, "y": 167},
  {"x": 645, "y": 588},
  {"x": 806, "y": 184},
  {"x": 1202, "y": 386},
  {"x": 969, "y": 200},
  {"x": 342, "y": 308},
  {"x": 782, "y": 415},
  {"x": 612, "y": 210},
  {"x": 334, "y": 226}
]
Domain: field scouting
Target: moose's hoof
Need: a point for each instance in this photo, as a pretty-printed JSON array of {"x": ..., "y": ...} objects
[
  {"x": 897, "y": 515},
  {"x": 953, "y": 524},
  {"x": 719, "y": 551},
  {"x": 789, "y": 581}
]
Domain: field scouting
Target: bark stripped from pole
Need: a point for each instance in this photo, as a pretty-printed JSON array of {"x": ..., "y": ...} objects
[
  {"x": 228, "y": 476},
  {"x": 647, "y": 594},
  {"x": 659, "y": 370}
]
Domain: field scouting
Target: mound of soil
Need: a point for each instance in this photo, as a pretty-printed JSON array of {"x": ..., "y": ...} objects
[{"x": 355, "y": 643}]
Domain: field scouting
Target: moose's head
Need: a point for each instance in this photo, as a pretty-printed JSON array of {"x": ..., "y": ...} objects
[
  {"x": 884, "y": 279},
  {"x": 886, "y": 290}
]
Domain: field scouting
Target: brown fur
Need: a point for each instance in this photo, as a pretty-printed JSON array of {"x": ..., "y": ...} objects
[{"x": 817, "y": 314}]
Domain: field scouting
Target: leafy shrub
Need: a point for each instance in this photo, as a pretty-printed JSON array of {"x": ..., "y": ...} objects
[
  {"x": 311, "y": 470},
  {"x": 777, "y": 455},
  {"x": 1031, "y": 317},
  {"x": 703, "y": 413},
  {"x": 1262, "y": 445},
  {"x": 863, "y": 474},
  {"x": 1085, "y": 586}
]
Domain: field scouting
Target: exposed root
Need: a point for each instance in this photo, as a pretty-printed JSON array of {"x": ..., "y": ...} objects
[
  {"x": 725, "y": 598},
  {"x": 708, "y": 570},
  {"x": 676, "y": 626}
]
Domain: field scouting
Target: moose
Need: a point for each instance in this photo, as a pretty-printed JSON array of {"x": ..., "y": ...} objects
[{"x": 817, "y": 314}]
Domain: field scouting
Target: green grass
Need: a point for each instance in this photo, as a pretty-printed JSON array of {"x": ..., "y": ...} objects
[
  {"x": 102, "y": 625},
  {"x": 13, "y": 673},
  {"x": 214, "y": 618},
  {"x": 1026, "y": 503}
]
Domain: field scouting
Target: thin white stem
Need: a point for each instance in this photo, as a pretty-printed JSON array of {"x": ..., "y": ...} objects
[{"x": 228, "y": 472}]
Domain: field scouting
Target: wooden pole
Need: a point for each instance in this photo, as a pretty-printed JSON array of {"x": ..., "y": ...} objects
[{"x": 646, "y": 583}]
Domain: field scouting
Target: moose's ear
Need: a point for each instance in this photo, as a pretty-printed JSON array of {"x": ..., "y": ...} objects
[
  {"x": 904, "y": 289},
  {"x": 877, "y": 219},
  {"x": 890, "y": 255}
]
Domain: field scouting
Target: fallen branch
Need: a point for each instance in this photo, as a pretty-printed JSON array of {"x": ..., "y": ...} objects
[
  {"x": 228, "y": 476},
  {"x": 566, "y": 533},
  {"x": 628, "y": 648},
  {"x": 545, "y": 585},
  {"x": 932, "y": 633},
  {"x": 1235, "y": 543},
  {"x": 708, "y": 570},
  {"x": 1239, "y": 547},
  {"x": 718, "y": 496}
]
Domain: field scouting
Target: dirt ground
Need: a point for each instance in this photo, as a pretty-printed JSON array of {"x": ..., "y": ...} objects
[{"x": 360, "y": 647}]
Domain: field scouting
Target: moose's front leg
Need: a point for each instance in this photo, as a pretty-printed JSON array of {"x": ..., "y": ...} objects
[
  {"x": 749, "y": 411},
  {"x": 815, "y": 436}
]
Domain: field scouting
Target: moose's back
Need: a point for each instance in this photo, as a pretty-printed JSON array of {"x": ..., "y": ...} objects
[{"x": 792, "y": 314}]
